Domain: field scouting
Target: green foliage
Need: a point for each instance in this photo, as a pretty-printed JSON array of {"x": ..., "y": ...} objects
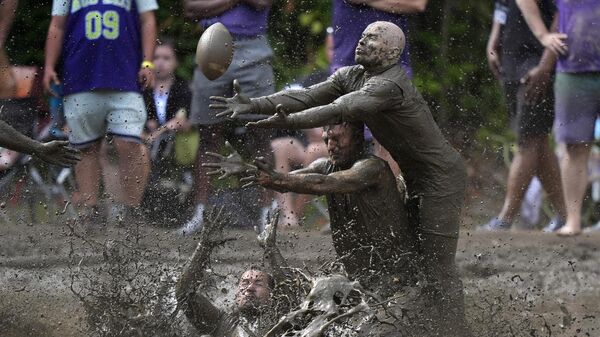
[{"x": 447, "y": 48}]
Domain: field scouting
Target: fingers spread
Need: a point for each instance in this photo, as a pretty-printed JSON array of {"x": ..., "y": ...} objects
[
  {"x": 216, "y": 155},
  {"x": 224, "y": 113},
  {"x": 218, "y": 99}
]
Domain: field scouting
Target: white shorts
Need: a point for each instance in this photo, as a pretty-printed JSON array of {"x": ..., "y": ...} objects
[{"x": 92, "y": 115}]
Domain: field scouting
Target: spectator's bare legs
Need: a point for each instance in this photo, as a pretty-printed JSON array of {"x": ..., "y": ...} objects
[
  {"x": 574, "y": 169},
  {"x": 287, "y": 152},
  {"x": 133, "y": 171},
  {"x": 549, "y": 174},
  {"x": 534, "y": 156},
  {"x": 7, "y": 79},
  {"x": 87, "y": 175}
]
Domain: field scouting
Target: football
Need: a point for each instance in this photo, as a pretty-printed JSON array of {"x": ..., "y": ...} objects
[{"x": 214, "y": 51}]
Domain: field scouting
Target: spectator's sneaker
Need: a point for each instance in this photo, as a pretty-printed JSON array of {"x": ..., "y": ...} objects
[
  {"x": 495, "y": 225},
  {"x": 195, "y": 224},
  {"x": 554, "y": 225},
  {"x": 595, "y": 228}
]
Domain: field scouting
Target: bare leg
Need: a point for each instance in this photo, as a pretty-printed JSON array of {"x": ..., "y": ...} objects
[
  {"x": 574, "y": 181},
  {"x": 133, "y": 171},
  {"x": 87, "y": 175},
  {"x": 313, "y": 152},
  {"x": 287, "y": 152},
  {"x": 7, "y": 78},
  {"x": 522, "y": 170},
  {"x": 549, "y": 174}
]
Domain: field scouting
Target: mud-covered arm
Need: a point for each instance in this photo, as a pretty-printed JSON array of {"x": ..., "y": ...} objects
[
  {"x": 294, "y": 100},
  {"x": 205, "y": 317},
  {"x": 197, "y": 307},
  {"x": 271, "y": 253},
  {"x": 363, "y": 174},
  {"x": 354, "y": 106}
]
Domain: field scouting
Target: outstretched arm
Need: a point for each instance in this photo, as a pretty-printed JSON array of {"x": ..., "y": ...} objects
[
  {"x": 292, "y": 100},
  {"x": 351, "y": 107},
  {"x": 361, "y": 175},
  {"x": 198, "y": 308},
  {"x": 268, "y": 241},
  {"x": 54, "y": 152}
]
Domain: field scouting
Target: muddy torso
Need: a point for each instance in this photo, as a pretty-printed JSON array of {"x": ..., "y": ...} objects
[
  {"x": 370, "y": 227},
  {"x": 401, "y": 121}
]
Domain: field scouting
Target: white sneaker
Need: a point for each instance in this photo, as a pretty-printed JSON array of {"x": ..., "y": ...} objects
[{"x": 195, "y": 224}]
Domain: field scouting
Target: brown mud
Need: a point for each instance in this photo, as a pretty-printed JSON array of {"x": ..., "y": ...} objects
[{"x": 516, "y": 284}]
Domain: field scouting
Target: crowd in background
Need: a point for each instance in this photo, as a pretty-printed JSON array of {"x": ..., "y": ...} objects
[{"x": 144, "y": 132}]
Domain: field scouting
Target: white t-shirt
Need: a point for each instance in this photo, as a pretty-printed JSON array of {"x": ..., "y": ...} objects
[
  {"x": 160, "y": 101},
  {"x": 61, "y": 7}
]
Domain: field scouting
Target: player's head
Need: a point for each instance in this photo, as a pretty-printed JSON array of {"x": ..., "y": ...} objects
[
  {"x": 165, "y": 58},
  {"x": 254, "y": 291},
  {"x": 381, "y": 44},
  {"x": 344, "y": 142}
]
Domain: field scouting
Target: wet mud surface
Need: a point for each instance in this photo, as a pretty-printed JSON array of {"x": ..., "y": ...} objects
[{"x": 516, "y": 284}]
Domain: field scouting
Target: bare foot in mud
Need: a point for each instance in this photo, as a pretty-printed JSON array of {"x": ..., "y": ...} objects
[{"x": 567, "y": 231}]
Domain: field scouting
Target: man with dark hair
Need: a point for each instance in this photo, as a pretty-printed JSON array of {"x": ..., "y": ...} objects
[
  {"x": 259, "y": 296},
  {"x": 379, "y": 93}
]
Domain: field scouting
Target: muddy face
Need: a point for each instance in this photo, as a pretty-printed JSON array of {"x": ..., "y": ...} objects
[
  {"x": 340, "y": 144},
  {"x": 253, "y": 292},
  {"x": 381, "y": 44}
]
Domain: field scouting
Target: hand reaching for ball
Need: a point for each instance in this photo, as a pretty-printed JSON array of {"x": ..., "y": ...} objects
[{"x": 237, "y": 105}]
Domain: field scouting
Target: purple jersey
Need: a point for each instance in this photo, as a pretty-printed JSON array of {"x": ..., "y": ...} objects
[
  {"x": 349, "y": 21},
  {"x": 580, "y": 20},
  {"x": 102, "y": 47},
  {"x": 241, "y": 20}
]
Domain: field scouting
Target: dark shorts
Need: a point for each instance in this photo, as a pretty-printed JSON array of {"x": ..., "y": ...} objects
[
  {"x": 529, "y": 120},
  {"x": 577, "y": 106}
]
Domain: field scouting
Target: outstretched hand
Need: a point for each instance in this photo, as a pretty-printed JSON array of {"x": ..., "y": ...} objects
[
  {"x": 237, "y": 105},
  {"x": 279, "y": 120},
  {"x": 58, "y": 153},
  {"x": 268, "y": 237},
  {"x": 212, "y": 231},
  {"x": 263, "y": 174},
  {"x": 228, "y": 166}
]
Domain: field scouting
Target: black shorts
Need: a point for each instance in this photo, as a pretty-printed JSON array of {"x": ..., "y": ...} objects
[{"x": 529, "y": 120}]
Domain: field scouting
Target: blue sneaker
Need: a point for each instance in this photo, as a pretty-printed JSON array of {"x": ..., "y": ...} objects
[
  {"x": 554, "y": 225},
  {"x": 495, "y": 225}
]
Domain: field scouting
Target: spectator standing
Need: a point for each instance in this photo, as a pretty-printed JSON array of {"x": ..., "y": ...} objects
[
  {"x": 246, "y": 20},
  {"x": 526, "y": 70},
  {"x": 168, "y": 105},
  {"x": 577, "y": 89},
  {"x": 106, "y": 50}
]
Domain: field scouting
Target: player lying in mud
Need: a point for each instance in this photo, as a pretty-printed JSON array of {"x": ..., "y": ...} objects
[
  {"x": 379, "y": 93},
  {"x": 261, "y": 296}
]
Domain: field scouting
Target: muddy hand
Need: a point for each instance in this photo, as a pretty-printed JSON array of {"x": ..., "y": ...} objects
[
  {"x": 278, "y": 121},
  {"x": 261, "y": 175},
  {"x": 234, "y": 106},
  {"x": 212, "y": 231},
  {"x": 228, "y": 166},
  {"x": 58, "y": 153},
  {"x": 268, "y": 237}
]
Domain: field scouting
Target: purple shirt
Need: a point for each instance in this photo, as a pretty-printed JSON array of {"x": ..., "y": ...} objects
[
  {"x": 241, "y": 20},
  {"x": 349, "y": 21},
  {"x": 580, "y": 20}
]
